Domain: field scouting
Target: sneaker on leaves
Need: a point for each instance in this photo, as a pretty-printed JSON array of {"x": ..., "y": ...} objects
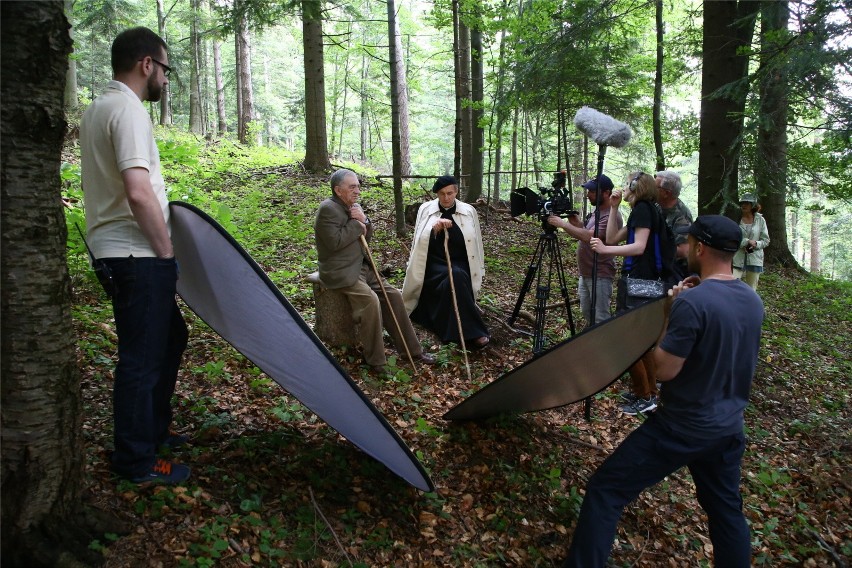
[
  {"x": 164, "y": 471},
  {"x": 642, "y": 405}
]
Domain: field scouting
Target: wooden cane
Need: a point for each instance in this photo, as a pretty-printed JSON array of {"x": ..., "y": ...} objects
[
  {"x": 387, "y": 301},
  {"x": 455, "y": 300}
]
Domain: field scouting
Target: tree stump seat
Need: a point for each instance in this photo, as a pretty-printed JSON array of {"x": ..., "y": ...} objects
[{"x": 333, "y": 322}]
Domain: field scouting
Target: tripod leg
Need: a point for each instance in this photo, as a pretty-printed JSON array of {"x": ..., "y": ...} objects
[
  {"x": 563, "y": 285},
  {"x": 542, "y": 293},
  {"x": 533, "y": 267}
]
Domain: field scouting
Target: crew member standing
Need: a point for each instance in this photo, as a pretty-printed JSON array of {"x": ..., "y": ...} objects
[
  {"x": 707, "y": 358},
  {"x": 127, "y": 215},
  {"x": 675, "y": 212},
  {"x": 602, "y": 186}
]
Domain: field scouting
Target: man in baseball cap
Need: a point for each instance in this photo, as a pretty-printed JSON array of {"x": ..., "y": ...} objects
[
  {"x": 605, "y": 183},
  {"x": 714, "y": 231},
  {"x": 706, "y": 357}
]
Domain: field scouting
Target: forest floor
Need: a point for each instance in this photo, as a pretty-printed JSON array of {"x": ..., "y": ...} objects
[{"x": 272, "y": 485}]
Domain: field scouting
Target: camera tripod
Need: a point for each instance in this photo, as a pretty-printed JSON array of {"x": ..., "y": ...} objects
[{"x": 548, "y": 246}]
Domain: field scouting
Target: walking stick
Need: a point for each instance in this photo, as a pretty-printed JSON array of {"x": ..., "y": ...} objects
[
  {"x": 455, "y": 300},
  {"x": 387, "y": 301}
]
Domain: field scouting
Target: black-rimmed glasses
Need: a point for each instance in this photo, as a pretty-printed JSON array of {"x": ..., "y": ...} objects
[{"x": 166, "y": 69}]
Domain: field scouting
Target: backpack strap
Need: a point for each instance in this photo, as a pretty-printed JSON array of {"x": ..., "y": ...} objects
[
  {"x": 628, "y": 260},
  {"x": 658, "y": 253}
]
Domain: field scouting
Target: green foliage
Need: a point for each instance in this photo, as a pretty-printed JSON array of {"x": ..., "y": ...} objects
[{"x": 288, "y": 411}]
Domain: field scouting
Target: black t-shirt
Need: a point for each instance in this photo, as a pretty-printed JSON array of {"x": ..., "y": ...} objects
[
  {"x": 643, "y": 215},
  {"x": 716, "y": 328}
]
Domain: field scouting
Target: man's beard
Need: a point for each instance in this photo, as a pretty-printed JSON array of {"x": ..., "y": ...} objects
[{"x": 155, "y": 90}]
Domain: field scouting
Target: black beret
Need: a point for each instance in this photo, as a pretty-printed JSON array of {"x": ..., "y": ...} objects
[{"x": 443, "y": 182}]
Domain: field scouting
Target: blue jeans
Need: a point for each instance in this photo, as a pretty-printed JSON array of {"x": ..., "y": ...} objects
[
  {"x": 647, "y": 455},
  {"x": 152, "y": 336}
]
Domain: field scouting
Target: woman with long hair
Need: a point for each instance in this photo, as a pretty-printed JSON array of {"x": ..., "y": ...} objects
[
  {"x": 640, "y": 262},
  {"x": 748, "y": 262}
]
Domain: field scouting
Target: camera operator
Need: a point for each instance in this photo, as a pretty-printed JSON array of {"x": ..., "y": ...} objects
[{"x": 585, "y": 256}]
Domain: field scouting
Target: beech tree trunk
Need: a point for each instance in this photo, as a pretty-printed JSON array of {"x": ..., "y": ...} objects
[
  {"x": 474, "y": 189},
  {"x": 398, "y": 96},
  {"x": 246, "y": 109},
  {"x": 237, "y": 83},
  {"x": 463, "y": 103},
  {"x": 401, "y": 96},
  {"x": 816, "y": 220},
  {"x": 220, "y": 88},
  {"x": 515, "y": 149},
  {"x": 165, "y": 102},
  {"x": 365, "y": 122},
  {"x": 70, "y": 96},
  {"x": 500, "y": 112},
  {"x": 316, "y": 136},
  {"x": 42, "y": 446},
  {"x": 728, "y": 27},
  {"x": 196, "y": 115}
]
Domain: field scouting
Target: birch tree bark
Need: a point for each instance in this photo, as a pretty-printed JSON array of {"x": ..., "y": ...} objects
[{"x": 41, "y": 434}]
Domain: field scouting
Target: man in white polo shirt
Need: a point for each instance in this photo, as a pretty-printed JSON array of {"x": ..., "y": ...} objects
[{"x": 127, "y": 216}]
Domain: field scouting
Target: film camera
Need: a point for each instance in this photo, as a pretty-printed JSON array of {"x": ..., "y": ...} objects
[{"x": 555, "y": 200}]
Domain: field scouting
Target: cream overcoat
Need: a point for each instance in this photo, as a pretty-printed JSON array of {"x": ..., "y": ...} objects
[{"x": 468, "y": 221}]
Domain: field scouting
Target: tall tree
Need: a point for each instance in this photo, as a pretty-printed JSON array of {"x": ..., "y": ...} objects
[
  {"x": 165, "y": 97},
  {"x": 500, "y": 109},
  {"x": 222, "y": 120},
  {"x": 728, "y": 31},
  {"x": 316, "y": 136},
  {"x": 477, "y": 139},
  {"x": 770, "y": 166},
  {"x": 196, "y": 114},
  {"x": 463, "y": 99},
  {"x": 42, "y": 403},
  {"x": 457, "y": 125},
  {"x": 245, "y": 91},
  {"x": 816, "y": 222},
  {"x": 71, "y": 75},
  {"x": 658, "y": 87},
  {"x": 365, "y": 122},
  {"x": 399, "y": 104}
]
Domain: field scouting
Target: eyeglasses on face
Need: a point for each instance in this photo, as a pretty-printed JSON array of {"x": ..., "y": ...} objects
[{"x": 166, "y": 69}]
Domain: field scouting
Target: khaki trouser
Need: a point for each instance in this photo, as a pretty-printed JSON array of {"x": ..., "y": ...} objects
[
  {"x": 748, "y": 276},
  {"x": 372, "y": 312}
]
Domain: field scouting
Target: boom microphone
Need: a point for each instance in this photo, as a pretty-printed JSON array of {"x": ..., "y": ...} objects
[{"x": 602, "y": 128}]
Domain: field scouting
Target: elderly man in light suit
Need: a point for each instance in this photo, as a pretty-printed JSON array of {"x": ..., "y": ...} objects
[{"x": 344, "y": 266}]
